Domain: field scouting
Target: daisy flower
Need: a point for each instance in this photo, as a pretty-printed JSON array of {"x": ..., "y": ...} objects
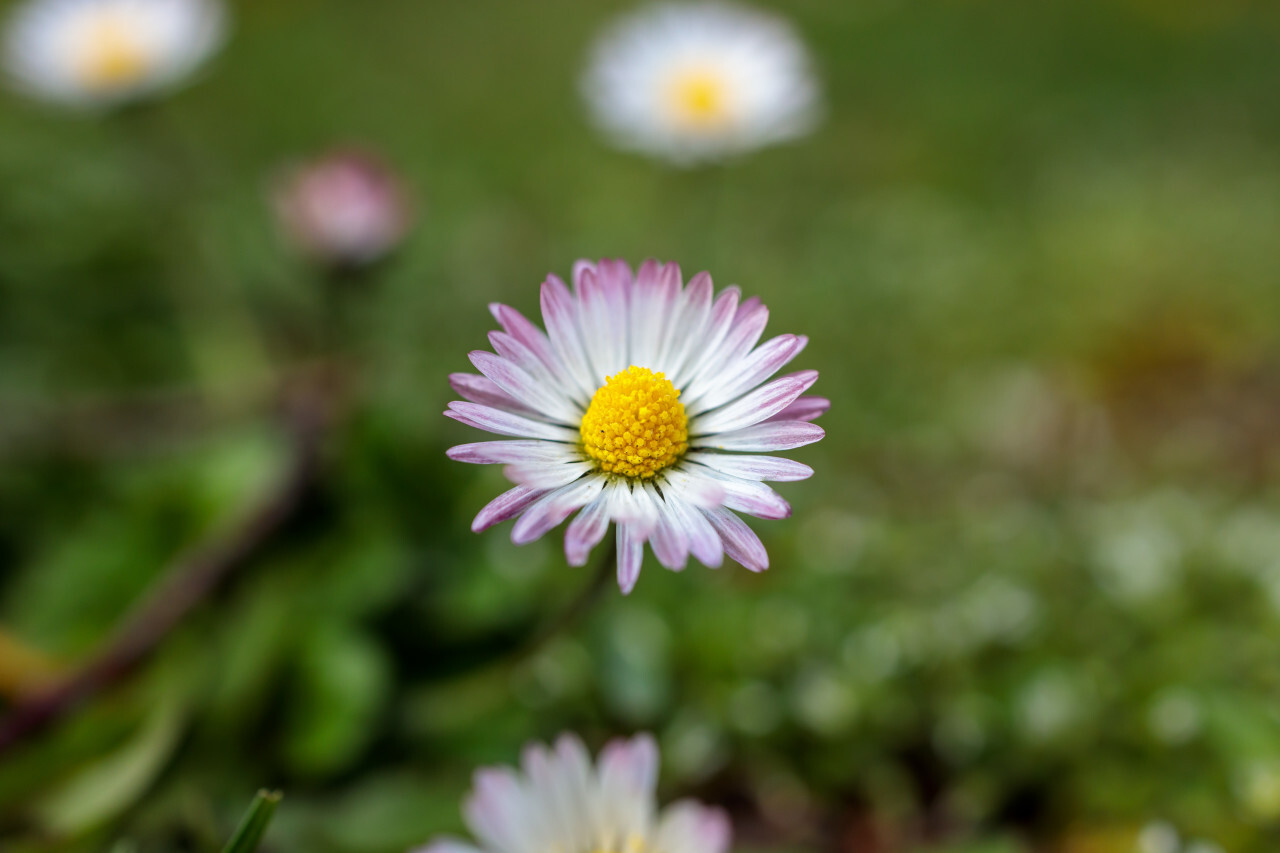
[
  {"x": 99, "y": 53},
  {"x": 560, "y": 801},
  {"x": 700, "y": 82},
  {"x": 642, "y": 405}
]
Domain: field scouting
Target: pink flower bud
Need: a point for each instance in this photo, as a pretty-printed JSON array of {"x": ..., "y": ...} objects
[{"x": 344, "y": 209}]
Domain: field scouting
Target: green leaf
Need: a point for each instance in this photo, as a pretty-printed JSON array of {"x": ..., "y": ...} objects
[
  {"x": 249, "y": 835},
  {"x": 110, "y": 785}
]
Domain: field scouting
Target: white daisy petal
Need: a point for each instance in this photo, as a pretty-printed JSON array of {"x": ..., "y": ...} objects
[
  {"x": 757, "y": 406},
  {"x": 689, "y": 827},
  {"x": 750, "y": 496},
  {"x": 553, "y": 508},
  {"x": 522, "y": 329},
  {"x": 740, "y": 542},
  {"x": 694, "y": 488},
  {"x": 513, "y": 452},
  {"x": 514, "y": 351},
  {"x": 560, "y": 314},
  {"x": 765, "y": 437},
  {"x": 506, "y": 423},
  {"x": 547, "y": 475},
  {"x": 507, "y": 505},
  {"x": 615, "y": 281},
  {"x": 628, "y": 772},
  {"x": 745, "y": 329},
  {"x": 669, "y": 540},
  {"x": 803, "y": 409},
  {"x": 631, "y": 537},
  {"x": 720, "y": 321},
  {"x": 654, "y": 293},
  {"x": 483, "y": 390},
  {"x": 764, "y": 361},
  {"x": 586, "y": 530},
  {"x": 688, "y": 325},
  {"x": 519, "y": 384},
  {"x": 754, "y": 467},
  {"x": 650, "y": 451},
  {"x": 704, "y": 542},
  {"x": 495, "y": 811}
]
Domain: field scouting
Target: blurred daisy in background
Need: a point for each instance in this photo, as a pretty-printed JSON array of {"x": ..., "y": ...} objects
[
  {"x": 99, "y": 53},
  {"x": 344, "y": 209},
  {"x": 634, "y": 407},
  {"x": 697, "y": 83},
  {"x": 559, "y": 800}
]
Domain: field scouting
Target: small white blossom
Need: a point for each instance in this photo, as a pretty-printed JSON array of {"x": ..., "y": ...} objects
[{"x": 99, "y": 53}]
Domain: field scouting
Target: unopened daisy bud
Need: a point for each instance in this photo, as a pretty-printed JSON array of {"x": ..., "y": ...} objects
[
  {"x": 100, "y": 53},
  {"x": 344, "y": 210},
  {"x": 700, "y": 82},
  {"x": 561, "y": 800}
]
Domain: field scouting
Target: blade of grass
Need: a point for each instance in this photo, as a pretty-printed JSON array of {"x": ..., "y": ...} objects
[{"x": 251, "y": 829}]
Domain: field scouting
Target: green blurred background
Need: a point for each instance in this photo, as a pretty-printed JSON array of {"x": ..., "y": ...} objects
[{"x": 1029, "y": 602}]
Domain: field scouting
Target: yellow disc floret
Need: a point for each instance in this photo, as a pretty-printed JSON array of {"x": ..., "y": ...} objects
[
  {"x": 636, "y": 425},
  {"x": 698, "y": 98}
]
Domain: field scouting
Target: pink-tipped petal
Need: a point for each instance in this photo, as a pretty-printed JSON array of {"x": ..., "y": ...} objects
[
  {"x": 755, "y": 407},
  {"x": 630, "y": 767},
  {"x": 764, "y": 438},
  {"x": 494, "y": 810},
  {"x": 749, "y": 496},
  {"x": 740, "y": 542},
  {"x": 773, "y": 468},
  {"x": 521, "y": 385},
  {"x": 560, "y": 316},
  {"x": 764, "y": 361},
  {"x": 704, "y": 542},
  {"x": 585, "y": 531},
  {"x": 690, "y": 827},
  {"x": 513, "y": 452},
  {"x": 803, "y": 409},
  {"x": 547, "y": 475},
  {"x": 630, "y": 556},
  {"x": 483, "y": 390},
  {"x": 746, "y": 328},
  {"x": 669, "y": 542},
  {"x": 553, "y": 508},
  {"x": 706, "y": 349},
  {"x": 507, "y": 505},
  {"x": 507, "y": 423},
  {"x": 522, "y": 329}
]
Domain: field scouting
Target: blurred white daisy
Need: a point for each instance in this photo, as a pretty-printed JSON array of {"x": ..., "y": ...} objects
[
  {"x": 693, "y": 83},
  {"x": 98, "y": 53},
  {"x": 559, "y": 801},
  {"x": 634, "y": 407}
]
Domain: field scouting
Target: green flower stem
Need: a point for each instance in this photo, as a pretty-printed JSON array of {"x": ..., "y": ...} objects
[{"x": 254, "y": 824}]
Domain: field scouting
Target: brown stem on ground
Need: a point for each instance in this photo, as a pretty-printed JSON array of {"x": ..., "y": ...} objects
[{"x": 191, "y": 579}]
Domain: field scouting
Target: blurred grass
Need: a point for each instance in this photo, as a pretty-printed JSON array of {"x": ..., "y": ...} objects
[{"x": 1032, "y": 592}]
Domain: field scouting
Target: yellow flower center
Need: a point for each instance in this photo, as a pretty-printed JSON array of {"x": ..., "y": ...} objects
[
  {"x": 635, "y": 425},
  {"x": 113, "y": 55},
  {"x": 634, "y": 843},
  {"x": 699, "y": 98}
]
